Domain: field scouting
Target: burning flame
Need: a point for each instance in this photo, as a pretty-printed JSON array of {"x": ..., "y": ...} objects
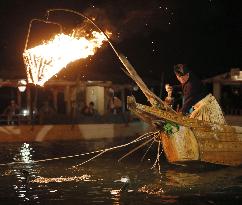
[{"x": 44, "y": 61}]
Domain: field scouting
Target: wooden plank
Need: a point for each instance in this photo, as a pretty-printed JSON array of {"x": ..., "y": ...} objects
[
  {"x": 224, "y": 146},
  {"x": 225, "y": 158},
  {"x": 180, "y": 146},
  {"x": 169, "y": 148},
  {"x": 218, "y": 136}
]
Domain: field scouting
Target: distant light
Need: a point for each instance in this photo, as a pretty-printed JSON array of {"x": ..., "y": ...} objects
[
  {"x": 22, "y": 85},
  {"x": 236, "y": 74},
  {"x": 21, "y": 88},
  {"x": 25, "y": 112}
]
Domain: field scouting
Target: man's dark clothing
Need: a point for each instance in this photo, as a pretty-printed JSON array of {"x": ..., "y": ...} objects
[{"x": 193, "y": 91}]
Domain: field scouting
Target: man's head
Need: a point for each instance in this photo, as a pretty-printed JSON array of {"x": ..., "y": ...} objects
[{"x": 182, "y": 73}]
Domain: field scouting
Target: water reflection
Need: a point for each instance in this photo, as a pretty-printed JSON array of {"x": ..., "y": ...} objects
[
  {"x": 44, "y": 180},
  {"x": 24, "y": 170},
  {"x": 124, "y": 183},
  {"x": 105, "y": 181},
  {"x": 115, "y": 196},
  {"x": 25, "y": 153},
  {"x": 180, "y": 179}
]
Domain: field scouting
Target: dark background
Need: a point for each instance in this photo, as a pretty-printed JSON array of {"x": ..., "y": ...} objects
[{"x": 154, "y": 35}]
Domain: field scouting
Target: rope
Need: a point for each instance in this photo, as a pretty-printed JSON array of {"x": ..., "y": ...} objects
[
  {"x": 157, "y": 158},
  {"x": 90, "y": 159},
  {"x": 106, "y": 150},
  {"x": 142, "y": 137},
  {"x": 142, "y": 159},
  {"x": 136, "y": 148}
]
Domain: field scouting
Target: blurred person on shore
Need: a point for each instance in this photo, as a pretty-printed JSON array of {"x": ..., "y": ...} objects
[{"x": 12, "y": 111}]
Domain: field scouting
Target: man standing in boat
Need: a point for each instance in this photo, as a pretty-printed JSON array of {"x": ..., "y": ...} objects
[{"x": 197, "y": 102}]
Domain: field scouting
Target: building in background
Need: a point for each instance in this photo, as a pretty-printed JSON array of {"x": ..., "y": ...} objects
[
  {"x": 67, "y": 98},
  {"x": 227, "y": 89}
]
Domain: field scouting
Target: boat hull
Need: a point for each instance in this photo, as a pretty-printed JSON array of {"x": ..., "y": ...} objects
[
  {"x": 180, "y": 146},
  {"x": 195, "y": 140},
  {"x": 225, "y": 148}
]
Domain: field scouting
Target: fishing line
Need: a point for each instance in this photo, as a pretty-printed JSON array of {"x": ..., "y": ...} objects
[
  {"x": 142, "y": 137},
  {"x": 142, "y": 159},
  {"x": 135, "y": 149},
  {"x": 106, "y": 150},
  {"x": 157, "y": 156}
]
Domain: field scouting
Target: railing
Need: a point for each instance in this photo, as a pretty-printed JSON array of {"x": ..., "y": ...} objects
[
  {"x": 19, "y": 119},
  {"x": 16, "y": 119}
]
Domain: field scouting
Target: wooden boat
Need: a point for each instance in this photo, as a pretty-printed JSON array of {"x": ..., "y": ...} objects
[{"x": 186, "y": 139}]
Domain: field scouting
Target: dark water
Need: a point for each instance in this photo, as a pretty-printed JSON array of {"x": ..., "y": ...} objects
[{"x": 99, "y": 181}]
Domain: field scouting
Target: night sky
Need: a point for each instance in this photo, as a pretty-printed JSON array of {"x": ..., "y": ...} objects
[{"x": 153, "y": 34}]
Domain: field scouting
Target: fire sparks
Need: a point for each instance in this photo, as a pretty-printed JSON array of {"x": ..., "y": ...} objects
[{"x": 46, "y": 60}]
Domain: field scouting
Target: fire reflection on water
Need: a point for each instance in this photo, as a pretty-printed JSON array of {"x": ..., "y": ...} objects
[
  {"x": 24, "y": 172},
  {"x": 101, "y": 181},
  {"x": 25, "y": 153},
  {"x": 115, "y": 196},
  {"x": 44, "y": 180}
]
